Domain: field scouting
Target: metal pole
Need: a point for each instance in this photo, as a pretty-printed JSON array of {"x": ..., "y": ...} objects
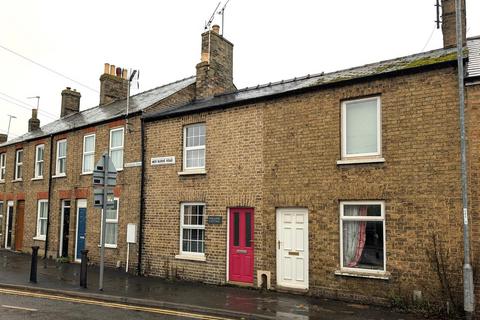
[
  {"x": 83, "y": 269},
  {"x": 468, "y": 297},
  {"x": 33, "y": 266},
  {"x": 9, "y": 121},
  {"x": 128, "y": 254},
  {"x": 104, "y": 218}
]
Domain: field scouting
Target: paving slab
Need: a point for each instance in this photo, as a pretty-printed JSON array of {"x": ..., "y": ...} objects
[{"x": 119, "y": 286}]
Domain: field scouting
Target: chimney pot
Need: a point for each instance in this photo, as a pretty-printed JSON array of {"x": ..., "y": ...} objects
[
  {"x": 70, "y": 102},
  {"x": 33, "y": 122},
  {"x": 216, "y": 28},
  {"x": 113, "y": 88},
  {"x": 106, "y": 69}
]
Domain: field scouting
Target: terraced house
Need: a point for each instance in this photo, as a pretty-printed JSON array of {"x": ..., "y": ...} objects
[
  {"x": 46, "y": 177},
  {"x": 344, "y": 184}
]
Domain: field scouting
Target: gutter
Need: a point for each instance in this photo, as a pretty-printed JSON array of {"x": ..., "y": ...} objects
[
  {"x": 142, "y": 198},
  {"x": 49, "y": 195}
]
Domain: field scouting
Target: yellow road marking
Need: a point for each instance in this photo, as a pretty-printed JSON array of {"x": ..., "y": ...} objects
[
  {"x": 19, "y": 308},
  {"x": 111, "y": 305}
]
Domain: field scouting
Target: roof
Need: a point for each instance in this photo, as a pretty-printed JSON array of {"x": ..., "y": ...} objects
[
  {"x": 106, "y": 112},
  {"x": 415, "y": 61},
  {"x": 473, "y": 67}
]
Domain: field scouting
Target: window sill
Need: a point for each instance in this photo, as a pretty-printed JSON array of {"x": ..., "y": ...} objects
[
  {"x": 359, "y": 161},
  {"x": 17, "y": 180},
  {"x": 86, "y": 173},
  {"x": 2, "y": 181},
  {"x": 192, "y": 172},
  {"x": 39, "y": 238},
  {"x": 59, "y": 176},
  {"x": 109, "y": 246},
  {"x": 191, "y": 257},
  {"x": 37, "y": 178},
  {"x": 370, "y": 275}
]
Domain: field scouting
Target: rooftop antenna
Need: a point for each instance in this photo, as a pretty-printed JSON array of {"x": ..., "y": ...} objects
[
  {"x": 222, "y": 13},
  {"x": 207, "y": 27},
  {"x": 9, "y": 121},
  {"x": 207, "y": 24},
  {"x": 133, "y": 77},
  {"x": 437, "y": 5},
  {"x": 38, "y": 100}
]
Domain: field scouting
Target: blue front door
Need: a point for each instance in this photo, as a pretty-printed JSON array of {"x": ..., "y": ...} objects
[{"x": 81, "y": 226}]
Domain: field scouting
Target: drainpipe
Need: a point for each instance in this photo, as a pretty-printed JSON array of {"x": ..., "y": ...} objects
[
  {"x": 142, "y": 201},
  {"x": 468, "y": 297},
  {"x": 49, "y": 195}
]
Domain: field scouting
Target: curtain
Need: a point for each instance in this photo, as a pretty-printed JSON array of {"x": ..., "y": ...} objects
[
  {"x": 361, "y": 128},
  {"x": 353, "y": 236}
]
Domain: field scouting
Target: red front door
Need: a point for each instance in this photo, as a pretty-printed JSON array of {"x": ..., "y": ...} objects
[{"x": 241, "y": 245}]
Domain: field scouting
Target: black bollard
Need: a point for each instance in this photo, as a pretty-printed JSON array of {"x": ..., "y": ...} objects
[
  {"x": 83, "y": 269},
  {"x": 33, "y": 267}
]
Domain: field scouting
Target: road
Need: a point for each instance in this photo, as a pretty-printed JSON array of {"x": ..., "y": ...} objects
[{"x": 20, "y": 305}]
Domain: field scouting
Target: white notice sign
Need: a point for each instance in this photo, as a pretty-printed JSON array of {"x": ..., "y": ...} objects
[{"x": 162, "y": 160}]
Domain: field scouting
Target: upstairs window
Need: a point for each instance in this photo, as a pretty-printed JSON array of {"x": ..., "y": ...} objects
[
  {"x": 61, "y": 158},
  {"x": 361, "y": 128},
  {"x": 39, "y": 155},
  {"x": 194, "y": 147},
  {"x": 88, "y": 153},
  {"x": 116, "y": 147},
  {"x": 19, "y": 164},
  {"x": 3, "y": 160}
]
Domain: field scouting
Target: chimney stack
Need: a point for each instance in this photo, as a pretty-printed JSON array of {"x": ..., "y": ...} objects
[
  {"x": 449, "y": 24},
  {"x": 113, "y": 84},
  {"x": 33, "y": 122},
  {"x": 3, "y": 138},
  {"x": 215, "y": 71},
  {"x": 70, "y": 102}
]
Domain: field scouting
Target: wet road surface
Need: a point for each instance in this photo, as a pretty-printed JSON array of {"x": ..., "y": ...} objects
[{"x": 20, "y": 307}]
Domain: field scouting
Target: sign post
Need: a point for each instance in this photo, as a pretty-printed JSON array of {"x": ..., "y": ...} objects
[{"x": 104, "y": 177}]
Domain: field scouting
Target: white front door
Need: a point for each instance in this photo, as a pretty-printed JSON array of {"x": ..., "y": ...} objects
[{"x": 292, "y": 248}]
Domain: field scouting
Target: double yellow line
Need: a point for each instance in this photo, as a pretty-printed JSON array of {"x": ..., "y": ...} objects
[{"x": 111, "y": 305}]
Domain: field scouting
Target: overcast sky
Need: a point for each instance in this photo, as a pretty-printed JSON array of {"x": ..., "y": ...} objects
[{"x": 273, "y": 40}]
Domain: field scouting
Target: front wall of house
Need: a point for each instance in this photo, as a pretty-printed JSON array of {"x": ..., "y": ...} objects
[
  {"x": 234, "y": 170},
  {"x": 283, "y": 154},
  {"x": 419, "y": 180}
]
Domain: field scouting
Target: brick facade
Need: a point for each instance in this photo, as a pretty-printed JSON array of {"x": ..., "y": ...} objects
[{"x": 283, "y": 153}]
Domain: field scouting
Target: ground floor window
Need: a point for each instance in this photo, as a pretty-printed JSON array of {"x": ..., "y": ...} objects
[
  {"x": 362, "y": 228},
  {"x": 1, "y": 219},
  {"x": 192, "y": 228},
  {"x": 42, "y": 219},
  {"x": 111, "y": 225}
]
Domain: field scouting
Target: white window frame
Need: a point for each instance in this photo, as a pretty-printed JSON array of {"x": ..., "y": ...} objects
[
  {"x": 363, "y": 218},
  {"x": 344, "y": 130},
  {"x": 3, "y": 165},
  {"x": 2, "y": 210},
  {"x": 18, "y": 165},
  {"x": 187, "y": 254},
  {"x": 119, "y": 147},
  {"x": 111, "y": 221},
  {"x": 87, "y": 153},
  {"x": 57, "y": 162},
  {"x": 39, "y": 236},
  {"x": 185, "y": 148},
  {"x": 39, "y": 162}
]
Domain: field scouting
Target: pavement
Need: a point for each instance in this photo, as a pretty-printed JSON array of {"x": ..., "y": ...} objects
[{"x": 234, "y": 302}]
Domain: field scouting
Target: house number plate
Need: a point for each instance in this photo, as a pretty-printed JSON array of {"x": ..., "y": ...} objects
[{"x": 241, "y": 251}]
